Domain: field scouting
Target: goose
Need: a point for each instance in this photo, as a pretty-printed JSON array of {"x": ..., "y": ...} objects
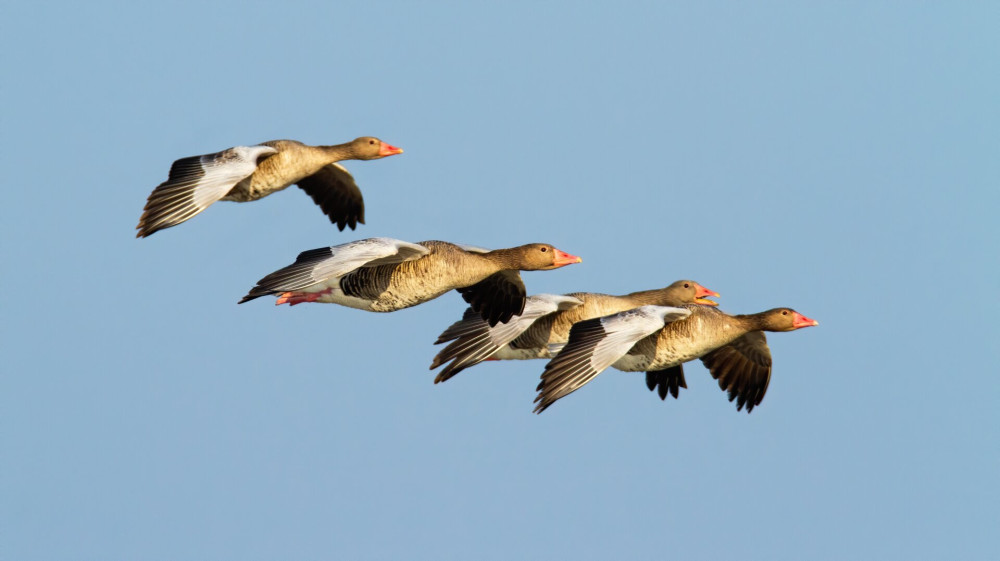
[
  {"x": 385, "y": 275},
  {"x": 248, "y": 173},
  {"x": 544, "y": 325},
  {"x": 659, "y": 339}
]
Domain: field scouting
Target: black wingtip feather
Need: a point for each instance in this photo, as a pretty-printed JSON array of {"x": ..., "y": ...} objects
[
  {"x": 311, "y": 254},
  {"x": 651, "y": 381},
  {"x": 183, "y": 167},
  {"x": 668, "y": 381}
]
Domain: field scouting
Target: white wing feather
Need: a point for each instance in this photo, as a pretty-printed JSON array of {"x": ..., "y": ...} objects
[
  {"x": 627, "y": 328},
  {"x": 596, "y": 344},
  {"x": 365, "y": 253}
]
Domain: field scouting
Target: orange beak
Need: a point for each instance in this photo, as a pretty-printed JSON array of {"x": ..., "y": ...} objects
[
  {"x": 562, "y": 259},
  {"x": 799, "y": 321},
  {"x": 699, "y": 295},
  {"x": 388, "y": 150}
]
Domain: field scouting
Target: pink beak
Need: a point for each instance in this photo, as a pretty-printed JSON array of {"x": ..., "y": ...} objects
[
  {"x": 699, "y": 295},
  {"x": 388, "y": 150},
  {"x": 799, "y": 321},
  {"x": 562, "y": 258}
]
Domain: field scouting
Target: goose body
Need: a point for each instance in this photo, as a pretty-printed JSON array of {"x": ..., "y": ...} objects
[
  {"x": 248, "y": 173},
  {"x": 544, "y": 326},
  {"x": 384, "y": 275},
  {"x": 660, "y": 341}
]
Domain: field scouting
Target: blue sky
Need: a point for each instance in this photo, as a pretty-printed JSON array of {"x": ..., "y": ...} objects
[{"x": 839, "y": 159}]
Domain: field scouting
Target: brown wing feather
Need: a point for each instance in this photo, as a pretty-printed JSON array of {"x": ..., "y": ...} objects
[
  {"x": 498, "y": 298},
  {"x": 336, "y": 193},
  {"x": 537, "y": 335},
  {"x": 572, "y": 368},
  {"x": 470, "y": 344},
  {"x": 743, "y": 368}
]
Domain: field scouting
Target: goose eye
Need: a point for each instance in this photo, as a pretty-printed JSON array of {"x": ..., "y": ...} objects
[
  {"x": 372, "y": 142},
  {"x": 686, "y": 285},
  {"x": 544, "y": 249},
  {"x": 784, "y": 312}
]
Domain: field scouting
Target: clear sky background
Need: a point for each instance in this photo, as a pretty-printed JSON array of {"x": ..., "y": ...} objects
[{"x": 838, "y": 159}]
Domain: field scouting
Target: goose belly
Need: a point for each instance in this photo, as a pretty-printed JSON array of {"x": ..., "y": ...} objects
[
  {"x": 278, "y": 172},
  {"x": 508, "y": 353},
  {"x": 690, "y": 340},
  {"x": 331, "y": 293},
  {"x": 387, "y": 301},
  {"x": 256, "y": 187},
  {"x": 632, "y": 363},
  {"x": 390, "y": 301},
  {"x": 678, "y": 352},
  {"x": 384, "y": 289}
]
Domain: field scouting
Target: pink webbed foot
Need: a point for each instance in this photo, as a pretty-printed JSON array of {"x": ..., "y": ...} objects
[{"x": 293, "y": 298}]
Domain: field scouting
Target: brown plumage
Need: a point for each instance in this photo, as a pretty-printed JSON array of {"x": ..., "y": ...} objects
[
  {"x": 248, "y": 173},
  {"x": 384, "y": 275},
  {"x": 474, "y": 341},
  {"x": 642, "y": 340}
]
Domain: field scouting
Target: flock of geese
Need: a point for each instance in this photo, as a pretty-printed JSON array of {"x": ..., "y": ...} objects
[{"x": 581, "y": 333}]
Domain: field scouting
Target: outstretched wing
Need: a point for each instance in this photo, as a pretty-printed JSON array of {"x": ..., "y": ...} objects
[
  {"x": 338, "y": 196},
  {"x": 197, "y": 182},
  {"x": 327, "y": 263},
  {"x": 743, "y": 368},
  {"x": 474, "y": 340},
  {"x": 498, "y": 298},
  {"x": 596, "y": 344}
]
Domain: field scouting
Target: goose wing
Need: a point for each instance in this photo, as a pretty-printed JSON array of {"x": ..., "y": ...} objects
[
  {"x": 327, "y": 263},
  {"x": 498, "y": 297},
  {"x": 474, "y": 340},
  {"x": 338, "y": 196},
  {"x": 743, "y": 368},
  {"x": 596, "y": 344},
  {"x": 195, "y": 183}
]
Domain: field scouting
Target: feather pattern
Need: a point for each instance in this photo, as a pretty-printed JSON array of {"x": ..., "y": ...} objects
[
  {"x": 384, "y": 275},
  {"x": 734, "y": 348},
  {"x": 545, "y": 336},
  {"x": 596, "y": 344},
  {"x": 338, "y": 196},
  {"x": 248, "y": 173},
  {"x": 475, "y": 340},
  {"x": 318, "y": 265},
  {"x": 743, "y": 369},
  {"x": 195, "y": 183},
  {"x": 498, "y": 297}
]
